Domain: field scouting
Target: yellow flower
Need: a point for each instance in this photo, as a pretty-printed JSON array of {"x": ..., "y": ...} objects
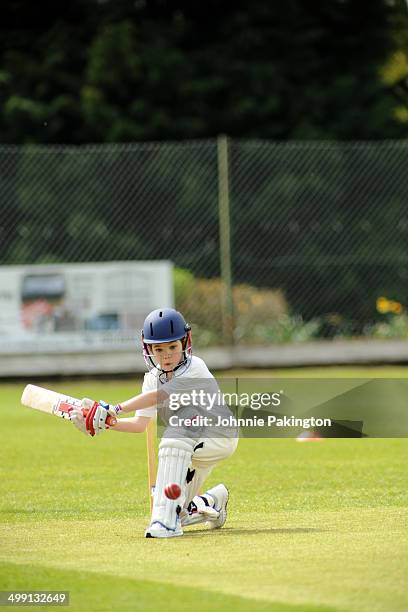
[
  {"x": 382, "y": 305},
  {"x": 396, "y": 307}
]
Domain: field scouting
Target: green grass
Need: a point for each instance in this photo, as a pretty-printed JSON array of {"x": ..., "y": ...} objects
[{"x": 312, "y": 526}]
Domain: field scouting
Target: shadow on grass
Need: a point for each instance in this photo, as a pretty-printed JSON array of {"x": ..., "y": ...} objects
[
  {"x": 99, "y": 592},
  {"x": 255, "y": 531}
]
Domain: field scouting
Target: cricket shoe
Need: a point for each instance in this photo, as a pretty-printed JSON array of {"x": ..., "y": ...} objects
[
  {"x": 220, "y": 496},
  {"x": 210, "y": 508},
  {"x": 196, "y": 517},
  {"x": 158, "y": 530}
]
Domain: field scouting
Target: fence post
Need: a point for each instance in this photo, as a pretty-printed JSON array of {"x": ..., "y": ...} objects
[{"x": 225, "y": 239}]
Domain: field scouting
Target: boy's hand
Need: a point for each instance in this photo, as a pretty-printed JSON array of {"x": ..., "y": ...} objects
[
  {"x": 77, "y": 417},
  {"x": 97, "y": 419}
]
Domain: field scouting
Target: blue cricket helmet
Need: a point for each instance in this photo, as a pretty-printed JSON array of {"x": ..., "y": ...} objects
[{"x": 164, "y": 325}]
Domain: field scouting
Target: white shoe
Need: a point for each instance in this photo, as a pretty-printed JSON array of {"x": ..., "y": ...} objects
[
  {"x": 192, "y": 519},
  {"x": 220, "y": 496},
  {"x": 200, "y": 510},
  {"x": 158, "y": 530}
]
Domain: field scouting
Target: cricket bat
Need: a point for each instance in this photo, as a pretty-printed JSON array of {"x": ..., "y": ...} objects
[{"x": 54, "y": 403}]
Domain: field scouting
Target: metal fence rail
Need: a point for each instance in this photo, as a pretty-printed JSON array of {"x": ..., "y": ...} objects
[{"x": 272, "y": 242}]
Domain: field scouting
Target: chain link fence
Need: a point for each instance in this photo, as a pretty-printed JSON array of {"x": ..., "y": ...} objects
[{"x": 271, "y": 241}]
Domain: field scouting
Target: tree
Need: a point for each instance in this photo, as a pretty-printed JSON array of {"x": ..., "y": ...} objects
[{"x": 120, "y": 71}]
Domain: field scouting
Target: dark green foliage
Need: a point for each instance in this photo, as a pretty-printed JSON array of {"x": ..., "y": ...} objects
[
  {"x": 123, "y": 71},
  {"x": 115, "y": 71},
  {"x": 324, "y": 221}
]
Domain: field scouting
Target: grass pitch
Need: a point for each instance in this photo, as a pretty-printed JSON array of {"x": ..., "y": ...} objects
[{"x": 312, "y": 526}]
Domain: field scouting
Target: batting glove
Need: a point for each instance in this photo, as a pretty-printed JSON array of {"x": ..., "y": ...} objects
[
  {"x": 76, "y": 415},
  {"x": 97, "y": 416}
]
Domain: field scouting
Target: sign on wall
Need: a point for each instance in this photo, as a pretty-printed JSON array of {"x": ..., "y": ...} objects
[{"x": 81, "y": 302}]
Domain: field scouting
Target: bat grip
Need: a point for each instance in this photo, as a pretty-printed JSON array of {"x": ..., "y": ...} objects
[{"x": 109, "y": 421}]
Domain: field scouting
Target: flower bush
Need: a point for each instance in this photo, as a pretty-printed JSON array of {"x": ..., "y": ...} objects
[{"x": 261, "y": 315}]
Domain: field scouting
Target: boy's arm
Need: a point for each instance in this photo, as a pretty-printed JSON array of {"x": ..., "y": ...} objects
[
  {"x": 136, "y": 424},
  {"x": 149, "y": 399},
  {"x": 95, "y": 421}
]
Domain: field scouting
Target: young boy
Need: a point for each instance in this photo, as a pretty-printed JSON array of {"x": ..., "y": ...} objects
[{"x": 183, "y": 459}]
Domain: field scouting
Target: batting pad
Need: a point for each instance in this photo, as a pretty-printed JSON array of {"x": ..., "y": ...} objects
[
  {"x": 198, "y": 475},
  {"x": 174, "y": 460}
]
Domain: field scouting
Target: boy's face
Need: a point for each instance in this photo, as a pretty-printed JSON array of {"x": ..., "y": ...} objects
[{"x": 168, "y": 354}]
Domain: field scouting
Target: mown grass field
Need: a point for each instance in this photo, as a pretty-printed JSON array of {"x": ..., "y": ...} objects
[{"x": 312, "y": 526}]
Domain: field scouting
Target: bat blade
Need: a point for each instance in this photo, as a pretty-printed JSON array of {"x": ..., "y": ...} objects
[
  {"x": 49, "y": 401},
  {"x": 54, "y": 403}
]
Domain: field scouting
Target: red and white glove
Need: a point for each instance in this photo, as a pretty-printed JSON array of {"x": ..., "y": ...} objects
[
  {"x": 98, "y": 414},
  {"x": 96, "y": 419}
]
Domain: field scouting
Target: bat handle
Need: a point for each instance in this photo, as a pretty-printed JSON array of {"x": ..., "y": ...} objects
[{"x": 109, "y": 421}]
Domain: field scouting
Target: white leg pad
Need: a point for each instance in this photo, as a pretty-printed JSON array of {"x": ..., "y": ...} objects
[
  {"x": 174, "y": 461},
  {"x": 197, "y": 477}
]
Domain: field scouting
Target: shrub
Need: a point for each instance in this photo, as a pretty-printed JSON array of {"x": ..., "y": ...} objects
[
  {"x": 261, "y": 314},
  {"x": 184, "y": 283},
  {"x": 395, "y": 326}
]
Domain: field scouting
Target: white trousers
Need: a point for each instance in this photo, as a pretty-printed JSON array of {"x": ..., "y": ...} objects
[{"x": 208, "y": 452}]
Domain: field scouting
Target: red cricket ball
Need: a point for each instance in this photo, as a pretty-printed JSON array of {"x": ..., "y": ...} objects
[{"x": 172, "y": 491}]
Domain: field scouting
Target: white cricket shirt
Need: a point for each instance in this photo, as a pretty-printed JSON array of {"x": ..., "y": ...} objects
[{"x": 151, "y": 382}]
